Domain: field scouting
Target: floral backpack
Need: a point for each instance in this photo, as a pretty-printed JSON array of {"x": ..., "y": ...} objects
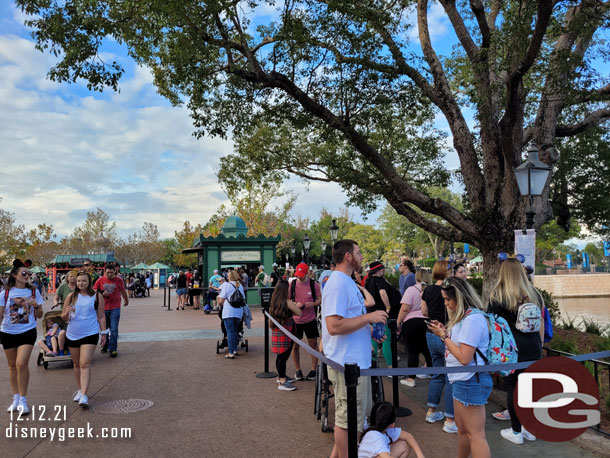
[
  {"x": 529, "y": 317},
  {"x": 502, "y": 347}
]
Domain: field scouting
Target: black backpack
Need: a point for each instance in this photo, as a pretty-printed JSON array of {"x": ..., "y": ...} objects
[
  {"x": 312, "y": 285},
  {"x": 237, "y": 299}
]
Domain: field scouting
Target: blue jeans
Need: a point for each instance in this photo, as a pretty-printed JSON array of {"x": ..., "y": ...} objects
[
  {"x": 231, "y": 325},
  {"x": 438, "y": 381},
  {"x": 112, "y": 322}
]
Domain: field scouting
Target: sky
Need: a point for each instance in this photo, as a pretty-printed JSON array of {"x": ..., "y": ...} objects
[{"x": 129, "y": 153}]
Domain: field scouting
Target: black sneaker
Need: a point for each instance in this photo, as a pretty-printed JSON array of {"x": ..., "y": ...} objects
[
  {"x": 113, "y": 354},
  {"x": 311, "y": 375},
  {"x": 299, "y": 376},
  {"x": 104, "y": 349}
]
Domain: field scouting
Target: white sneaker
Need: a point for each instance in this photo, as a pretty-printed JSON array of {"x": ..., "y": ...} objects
[
  {"x": 23, "y": 407},
  {"x": 13, "y": 406},
  {"x": 77, "y": 396},
  {"x": 423, "y": 376},
  {"x": 450, "y": 428},
  {"x": 510, "y": 435},
  {"x": 408, "y": 382},
  {"x": 84, "y": 401},
  {"x": 527, "y": 435},
  {"x": 286, "y": 386}
]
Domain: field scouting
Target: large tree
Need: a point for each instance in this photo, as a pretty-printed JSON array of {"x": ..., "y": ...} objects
[{"x": 344, "y": 74}]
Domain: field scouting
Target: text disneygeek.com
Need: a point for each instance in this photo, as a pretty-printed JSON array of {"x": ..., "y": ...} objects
[{"x": 61, "y": 433}]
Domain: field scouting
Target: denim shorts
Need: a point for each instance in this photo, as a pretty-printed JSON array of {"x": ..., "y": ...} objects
[
  {"x": 473, "y": 392},
  {"x": 181, "y": 291}
]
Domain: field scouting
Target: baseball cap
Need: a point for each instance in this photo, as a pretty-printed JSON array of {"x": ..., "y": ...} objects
[
  {"x": 215, "y": 271},
  {"x": 302, "y": 270}
]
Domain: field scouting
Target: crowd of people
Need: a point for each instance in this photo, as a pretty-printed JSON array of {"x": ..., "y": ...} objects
[
  {"x": 90, "y": 305},
  {"x": 442, "y": 321}
]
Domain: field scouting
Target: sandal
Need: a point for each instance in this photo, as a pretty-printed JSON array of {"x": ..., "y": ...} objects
[{"x": 229, "y": 356}]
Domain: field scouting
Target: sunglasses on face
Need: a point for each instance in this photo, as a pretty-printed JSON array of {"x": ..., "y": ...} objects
[{"x": 26, "y": 274}]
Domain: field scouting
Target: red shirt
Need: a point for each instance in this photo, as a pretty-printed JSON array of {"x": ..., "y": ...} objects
[
  {"x": 114, "y": 288},
  {"x": 189, "y": 277},
  {"x": 302, "y": 294}
]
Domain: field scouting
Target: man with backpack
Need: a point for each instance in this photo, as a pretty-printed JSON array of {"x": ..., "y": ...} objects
[{"x": 306, "y": 293}]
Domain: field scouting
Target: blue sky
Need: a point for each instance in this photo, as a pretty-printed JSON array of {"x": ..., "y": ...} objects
[{"x": 130, "y": 153}]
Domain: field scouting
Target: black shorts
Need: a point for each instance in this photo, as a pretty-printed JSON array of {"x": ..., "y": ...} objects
[
  {"x": 89, "y": 340},
  {"x": 17, "y": 340},
  {"x": 310, "y": 329}
]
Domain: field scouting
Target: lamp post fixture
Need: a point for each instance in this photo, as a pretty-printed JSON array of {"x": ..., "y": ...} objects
[
  {"x": 293, "y": 250},
  {"x": 306, "y": 245},
  {"x": 334, "y": 231},
  {"x": 323, "y": 245},
  {"x": 532, "y": 177}
]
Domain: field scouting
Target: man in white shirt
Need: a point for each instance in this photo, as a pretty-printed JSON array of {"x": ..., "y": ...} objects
[{"x": 346, "y": 336}]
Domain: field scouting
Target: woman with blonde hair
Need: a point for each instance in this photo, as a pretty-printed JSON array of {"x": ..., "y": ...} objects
[
  {"x": 231, "y": 316},
  {"x": 433, "y": 306},
  {"x": 512, "y": 291},
  {"x": 466, "y": 332}
]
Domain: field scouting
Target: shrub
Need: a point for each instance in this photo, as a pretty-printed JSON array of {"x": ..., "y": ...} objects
[
  {"x": 592, "y": 327},
  {"x": 392, "y": 278},
  {"x": 567, "y": 345},
  {"x": 477, "y": 283},
  {"x": 569, "y": 323}
]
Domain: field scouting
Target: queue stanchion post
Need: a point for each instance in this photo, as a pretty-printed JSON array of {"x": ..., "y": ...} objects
[
  {"x": 352, "y": 372},
  {"x": 265, "y": 295},
  {"x": 164, "y": 294},
  {"x": 169, "y": 300},
  {"x": 400, "y": 411}
]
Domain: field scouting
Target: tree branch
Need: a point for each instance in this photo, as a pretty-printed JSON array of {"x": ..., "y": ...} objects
[
  {"x": 592, "y": 119},
  {"x": 479, "y": 12},
  {"x": 461, "y": 31}
]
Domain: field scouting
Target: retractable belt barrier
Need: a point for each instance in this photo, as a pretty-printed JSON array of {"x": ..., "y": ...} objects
[{"x": 404, "y": 371}]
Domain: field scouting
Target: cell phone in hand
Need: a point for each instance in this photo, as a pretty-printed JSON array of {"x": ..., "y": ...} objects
[{"x": 427, "y": 320}]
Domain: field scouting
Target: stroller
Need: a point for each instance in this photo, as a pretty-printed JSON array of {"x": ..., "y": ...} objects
[
  {"x": 241, "y": 342},
  {"x": 43, "y": 359},
  {"x": 139, "y": 288}
]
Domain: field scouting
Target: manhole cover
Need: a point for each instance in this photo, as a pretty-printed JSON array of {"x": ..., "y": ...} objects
[{"x": 123, "y": 406}]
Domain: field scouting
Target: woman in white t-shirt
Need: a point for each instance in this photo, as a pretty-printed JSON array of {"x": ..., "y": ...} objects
[
  {"x": 382, "y": 439},
  {"x": 231, "y": 316},
  {"x": 20, "y": 305},
  {"x": 467, "y": 331},
  {"x": 85, "y": 310}
]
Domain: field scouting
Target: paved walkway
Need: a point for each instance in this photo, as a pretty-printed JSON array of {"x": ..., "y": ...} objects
[{"x": 203, "y": 404}]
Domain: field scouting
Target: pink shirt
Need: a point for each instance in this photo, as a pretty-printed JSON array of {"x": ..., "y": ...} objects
[
  {"x": 413, "y": 296},
  {"x": 302, "y": 294}
]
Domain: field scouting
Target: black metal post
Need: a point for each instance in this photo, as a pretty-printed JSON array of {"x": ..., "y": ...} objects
[
  {"x": 164, "y": 293},
  {"x": 266, "y": 373},
  {"x": 400, "y": 411},
  {"x": 352, "y": 372},
  {"x": 169, "y": 300}
]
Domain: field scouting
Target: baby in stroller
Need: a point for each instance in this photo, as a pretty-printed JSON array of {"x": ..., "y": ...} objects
[
  {"x": 54, "y": 340},
  {"x": 139, "y": 288}
]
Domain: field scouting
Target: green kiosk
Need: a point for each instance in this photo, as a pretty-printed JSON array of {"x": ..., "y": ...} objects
[{"x": 232, "y": 249}]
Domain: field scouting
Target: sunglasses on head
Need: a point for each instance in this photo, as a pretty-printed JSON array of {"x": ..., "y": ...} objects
[{"x": 447, "y": 284}]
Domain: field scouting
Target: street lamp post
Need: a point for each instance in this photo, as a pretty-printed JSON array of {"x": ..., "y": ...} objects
[
  {"x": 323, "y": 245},
  {"x": 334, "y": 231},
  {"x": 306, "y": 245},
  {"x": 532, "y": 177},
  {"x": 293, "y": 250}
]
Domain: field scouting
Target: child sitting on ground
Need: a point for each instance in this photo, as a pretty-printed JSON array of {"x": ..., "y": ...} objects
[
  {"x": 53, "y": 338},
  {"x": 383, "y": 440}
]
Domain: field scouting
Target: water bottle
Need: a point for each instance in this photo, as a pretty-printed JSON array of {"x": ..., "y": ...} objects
[{"x": 378, "y": 330}]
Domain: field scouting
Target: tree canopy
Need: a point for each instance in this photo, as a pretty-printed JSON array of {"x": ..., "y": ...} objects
[{"x": 337, "y": 90}]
